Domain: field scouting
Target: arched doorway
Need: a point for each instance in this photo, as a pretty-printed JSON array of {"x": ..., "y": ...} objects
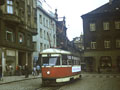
[{"x": 106, "y": 64}]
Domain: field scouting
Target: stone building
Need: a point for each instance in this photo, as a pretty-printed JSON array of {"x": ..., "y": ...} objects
[
  {"x": 46, "y": 29},
  {"x": 61, "y": 32},
  {"x": 17, "y": 26},
  {"x": 102, "y": 38},
  {"x": 78, "y": 41}
]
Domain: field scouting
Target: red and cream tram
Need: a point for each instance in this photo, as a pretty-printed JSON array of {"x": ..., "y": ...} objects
[{"x": 59, "y": 66}]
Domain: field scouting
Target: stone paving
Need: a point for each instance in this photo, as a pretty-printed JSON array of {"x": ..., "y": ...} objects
[
  {"x": 101, "y": 75},
  {"x": 95, "y": 82},
  {"x": 9, "y": 79},
  {"x": 87, "y": 82}
]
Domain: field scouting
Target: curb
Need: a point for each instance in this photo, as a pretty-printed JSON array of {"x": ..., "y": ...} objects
[{"x": 19, "y": 80}]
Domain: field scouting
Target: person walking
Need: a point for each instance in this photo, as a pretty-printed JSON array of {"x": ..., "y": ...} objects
[
  {"x": 0, "y": 72},
  {"x": 26, "y": 71},
  {"x": 38, "y": 69},
  {"x": 34, "y": 71},
  {"x": 10, "y": 70}
]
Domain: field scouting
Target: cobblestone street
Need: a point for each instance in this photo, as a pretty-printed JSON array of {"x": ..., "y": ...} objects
[
  {"x": 88, "y": 82},
  {"x": 31, "y": 84},
  {"x": 95, "y": 82}
]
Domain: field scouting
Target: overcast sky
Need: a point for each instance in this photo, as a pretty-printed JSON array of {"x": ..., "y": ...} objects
[{"x": 72, "y": 10}]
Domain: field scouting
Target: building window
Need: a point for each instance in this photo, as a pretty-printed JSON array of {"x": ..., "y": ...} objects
[
  {"x": 40, "y": 17},
  {"x": 44, "y": 35},
  {"x": 28, "y": 41},
  {"x": 9, "y": 36},
  {"x": 21, "y": 37},
  {"x": 44, "y": 46},
  {"x": 118, "y": 43},
  {"x": 93, "y": 45},
  {"x": 106, "y": 25},
  {"x": 107, "y": 43},
  {"x": 44, "y": 21},
  {"x": 41, "y": 46},
  {"x": 117, "y": 25},
  {"x": 54, "y": 37},
  {"x": 41, "y": 32},
  {"x": 10, "y": 6},
  {"x": 92, "y": 27}
]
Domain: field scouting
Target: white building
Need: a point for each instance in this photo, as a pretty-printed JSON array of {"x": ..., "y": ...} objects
[{"x": 46, "y": 29}]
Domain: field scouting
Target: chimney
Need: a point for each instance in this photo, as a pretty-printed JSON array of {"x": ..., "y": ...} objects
[
  {"x": 56, "y": 15},
  {"x": 64, "y": 21},
  {"x": 110, "y": 1}
]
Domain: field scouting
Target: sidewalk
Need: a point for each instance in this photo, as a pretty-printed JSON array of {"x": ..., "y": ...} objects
[{"x": 9, "y": 79}]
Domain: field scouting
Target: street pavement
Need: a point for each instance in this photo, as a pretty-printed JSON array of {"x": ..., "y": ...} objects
[
  {"x": 30, "y": 84},
  {"x": 95, "y": 82},
  {"x": 87, "y": 82},
  {"x": 10, "y": 79}
]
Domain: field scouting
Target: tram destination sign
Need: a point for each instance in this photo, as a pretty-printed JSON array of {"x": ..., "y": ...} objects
[{"x": 76, "y": 68}]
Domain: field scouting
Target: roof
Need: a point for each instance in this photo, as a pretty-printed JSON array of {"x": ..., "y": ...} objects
[
  {"x": 39, "y": 7},
  {"x": 55, "y": 51},
  {"x": 106, "y": 8}
]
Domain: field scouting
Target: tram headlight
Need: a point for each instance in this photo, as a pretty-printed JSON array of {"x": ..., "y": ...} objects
[{"x": 48, "y": 72}]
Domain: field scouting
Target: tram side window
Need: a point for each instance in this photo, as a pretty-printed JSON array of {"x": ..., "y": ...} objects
[
  {"x": 69, "y": 60},
  {"x": 45, "y": 61},
  {"x": 54, "y": 61},
  {"x": 64, "y": 59},
  {"x": 51, "y": 61}
]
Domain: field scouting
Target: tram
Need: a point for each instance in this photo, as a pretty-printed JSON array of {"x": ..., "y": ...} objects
[{"x": 59, "y": 66}]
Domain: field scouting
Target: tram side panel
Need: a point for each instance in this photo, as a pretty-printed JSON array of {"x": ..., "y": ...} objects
[{"x": 60, "y": 73}]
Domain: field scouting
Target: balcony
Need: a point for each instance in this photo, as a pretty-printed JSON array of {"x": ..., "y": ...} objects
[{"x": 12, "y": 18}]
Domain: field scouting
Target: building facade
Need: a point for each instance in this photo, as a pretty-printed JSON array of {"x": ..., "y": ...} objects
[
  {"x": 78, "y": 42},
  {"x": 17, "y": 26},
  {"x": 102, "y": 38},
  {"x": 46, "y": 29},
  {"x": 61, "y": 32}
]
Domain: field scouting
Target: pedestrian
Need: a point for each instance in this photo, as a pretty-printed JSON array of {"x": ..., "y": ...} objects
[
  {"x": 7, "y": 69},
  {"x": 17, "y": 70},
  {"x": 34, "y": 71},
  {"x": 38, "y": 69},
  {"x": 10, "y": 70},
  {"x": 26, "y": 71},
  {"x": 20, "y": 70},
  {"x": 0, "y": 72}
]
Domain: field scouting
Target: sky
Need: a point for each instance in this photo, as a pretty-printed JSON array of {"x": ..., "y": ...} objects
[{"x": 73, "y": 10}]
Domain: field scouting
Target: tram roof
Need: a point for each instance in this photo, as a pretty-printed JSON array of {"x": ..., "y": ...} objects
[{"x": 55, "y": 51}]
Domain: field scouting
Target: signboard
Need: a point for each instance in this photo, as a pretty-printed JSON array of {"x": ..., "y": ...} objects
[
  {"x": 10, "y": 53},
  {"x": 76, "y": 68}
]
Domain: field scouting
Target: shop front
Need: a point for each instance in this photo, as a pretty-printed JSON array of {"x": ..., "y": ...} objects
[{"x": 105, "y": 64}]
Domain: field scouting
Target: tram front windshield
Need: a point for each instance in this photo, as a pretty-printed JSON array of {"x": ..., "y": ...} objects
[{"x": 51, "y": 61}]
